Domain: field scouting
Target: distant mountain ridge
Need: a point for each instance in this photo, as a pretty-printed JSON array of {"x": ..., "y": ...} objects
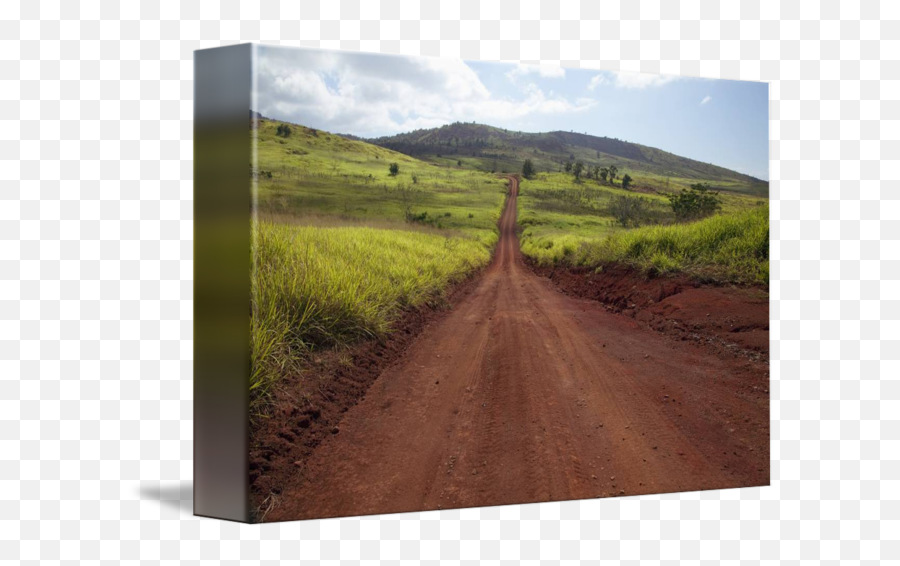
[{"x": 490, "y": 146}]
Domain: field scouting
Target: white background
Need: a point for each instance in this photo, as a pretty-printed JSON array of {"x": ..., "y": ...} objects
[{"x": 96, "y": 278}]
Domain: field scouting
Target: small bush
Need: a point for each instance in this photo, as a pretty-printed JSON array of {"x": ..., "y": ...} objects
[
  {"x": 421, "y": 217},
  {"x": 694, "y": 203},
  {"x": 629, "y": 212},
  {"x": 283, "y": 130}
]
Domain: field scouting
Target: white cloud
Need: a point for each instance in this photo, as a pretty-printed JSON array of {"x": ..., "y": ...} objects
[
  {"x": 544, "y": 72},
  {"x": 630, "y": 80},
  {"x": 598, "y": 80},
  {"x": 706, "y": 99},
  {"x": 375, "y": 95}
]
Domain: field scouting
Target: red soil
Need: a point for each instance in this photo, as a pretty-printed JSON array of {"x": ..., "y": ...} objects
[
  {"x": 734, "y": 319},
  {"x": 522, "y": 393},
  {"x": 307, "y": 407}
]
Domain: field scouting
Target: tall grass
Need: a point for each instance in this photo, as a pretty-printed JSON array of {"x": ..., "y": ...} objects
[
  {"x": 553, "y": 248},
  {"x": 317, "y": 287},
  {"x": 725, "y": 248},
  {"x": 337, "y": 257}
]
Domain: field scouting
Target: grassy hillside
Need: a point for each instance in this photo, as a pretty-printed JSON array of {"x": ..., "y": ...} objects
[
  {"x": 557, "y": 215},
  {"x": 322, "y": 177},
  {"x": 342, "y": 247},
  {"x": 487, "y": 148},
  {"x": 732, "y": 248}
]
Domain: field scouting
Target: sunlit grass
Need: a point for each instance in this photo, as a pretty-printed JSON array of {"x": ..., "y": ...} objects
[
  {"x": 563, "y": 222},
  {"x": 335, "y": 259},
  {"x": 321, "y": 287},
  {"x": 723, "y": 248}
]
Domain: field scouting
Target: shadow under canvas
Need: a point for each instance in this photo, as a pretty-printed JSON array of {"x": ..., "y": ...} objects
[{"x": 178, "y": 496}]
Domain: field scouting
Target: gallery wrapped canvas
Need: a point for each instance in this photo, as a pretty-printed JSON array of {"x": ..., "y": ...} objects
[{"x": 473, "y": 284}]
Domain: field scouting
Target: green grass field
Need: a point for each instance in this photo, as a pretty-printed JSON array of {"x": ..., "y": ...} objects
[
  {"x": 342, "y": 247},
  {"x": 556, "y": 215},
  {"x": 568, "y": 223},
  {"x": 726, "y": 248},
  {"x": 316, "y": 287},
  {"x": 318, "y": 174}
]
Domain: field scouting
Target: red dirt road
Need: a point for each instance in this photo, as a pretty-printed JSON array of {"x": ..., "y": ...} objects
[{"x": 524, "y": 394}]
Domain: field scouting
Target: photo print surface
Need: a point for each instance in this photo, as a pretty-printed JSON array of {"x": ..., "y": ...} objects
[{"x": 479, "y": 284}]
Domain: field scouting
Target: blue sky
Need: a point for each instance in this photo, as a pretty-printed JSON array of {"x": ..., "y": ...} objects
[{"x": 716, "y": 121}]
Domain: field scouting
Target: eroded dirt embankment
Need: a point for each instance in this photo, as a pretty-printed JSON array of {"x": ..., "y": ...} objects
[{"x": 727, "y": 319}]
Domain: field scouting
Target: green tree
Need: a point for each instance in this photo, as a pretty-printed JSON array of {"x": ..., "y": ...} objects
[
  {"x": 604, "y": 173},
  {"x": 283, "y": 130},
  {"x": 629, "y": 212},
  {"x": 577, "y": 170},
  {"x": 696, "y": 202},
  {"x": 568, "y": 166},
  {"x": 394, "y": 169},
  {"x": 626, "y": 181},
  {"x": 528, "y": 169},
  {"x": 613, "y": 171}
]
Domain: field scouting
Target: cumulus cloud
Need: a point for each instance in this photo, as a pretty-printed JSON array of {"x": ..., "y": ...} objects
[
  {"x": 544, "y": 72},
  {"x": 371, "y": 95},
  {"x": 706, "y": 99},
  {"x": 630, "y": 80}
]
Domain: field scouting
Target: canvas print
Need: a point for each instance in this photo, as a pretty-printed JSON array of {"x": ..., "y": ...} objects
[{"x": 479, "y": 284}]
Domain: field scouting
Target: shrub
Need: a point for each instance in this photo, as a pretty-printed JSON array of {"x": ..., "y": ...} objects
[
  {"x": 528, "y": 169},
  {"x": 696, "y": 202},
  {"x": 629, "y": 212},
  {"x": 577, "y": 170}
]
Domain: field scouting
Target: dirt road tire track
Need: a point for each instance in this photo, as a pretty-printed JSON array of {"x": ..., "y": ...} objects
[{"x": 524, "y": 394}]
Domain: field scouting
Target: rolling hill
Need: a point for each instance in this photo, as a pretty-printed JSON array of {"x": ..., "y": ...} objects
[{"x": 487, "y": 148}]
